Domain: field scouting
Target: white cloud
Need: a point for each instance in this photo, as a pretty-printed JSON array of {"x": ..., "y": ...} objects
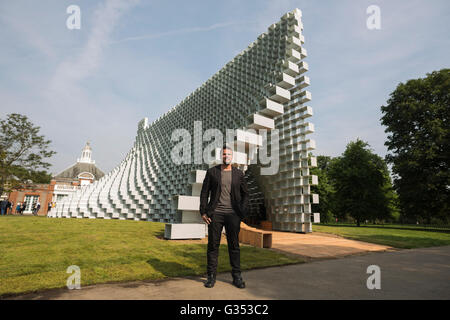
[
  {"x": 76, "y": 112},
  {"x": 74, "y": 69}
]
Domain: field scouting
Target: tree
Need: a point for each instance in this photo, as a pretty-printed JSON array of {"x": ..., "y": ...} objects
[
  {"x": 417, "y": 118},
  {"x": 24, "y": 175},
  {"x": 324, "y": 189},
  {"x": 362, "y": 184},
  {"x": 21, "y": 149}
]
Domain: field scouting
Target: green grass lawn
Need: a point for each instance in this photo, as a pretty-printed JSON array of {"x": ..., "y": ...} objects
[
  {"x": 35, "y": 253},
  {"x": 398, "y": 238}
]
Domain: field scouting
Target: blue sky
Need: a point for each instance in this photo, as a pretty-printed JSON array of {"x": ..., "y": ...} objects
[{"x": 134, "y": 59}]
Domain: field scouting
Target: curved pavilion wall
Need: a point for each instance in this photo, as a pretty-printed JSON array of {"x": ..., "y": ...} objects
[{"x": 268, "y": 76}]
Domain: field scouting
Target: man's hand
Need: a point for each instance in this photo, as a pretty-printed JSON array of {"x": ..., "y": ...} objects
[{"x": 206, "y": 219}]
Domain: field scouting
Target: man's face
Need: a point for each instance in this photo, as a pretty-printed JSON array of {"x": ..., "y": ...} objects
[{"x": 227, "y": 156}]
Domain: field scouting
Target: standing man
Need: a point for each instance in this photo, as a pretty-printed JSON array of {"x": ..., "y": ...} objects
[{"x": 227, "y": 207}]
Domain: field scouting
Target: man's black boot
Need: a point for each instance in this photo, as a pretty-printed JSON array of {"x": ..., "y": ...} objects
[
  {"x": 211, "y": 280},
  {"x": 238, "y": 281}
]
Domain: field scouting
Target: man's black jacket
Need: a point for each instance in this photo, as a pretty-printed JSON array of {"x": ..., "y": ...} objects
[{"x": 212, "y": 182}]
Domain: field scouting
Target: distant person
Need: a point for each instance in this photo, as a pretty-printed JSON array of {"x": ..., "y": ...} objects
[
  {"x": 9, "y": 206},
  {"x": 33, "y": 209},
  {"x": 18, "y": 207},
  {"x": 3, "y": 205},
  {"x": 49, "y": 207},
  {"x": 38, "y": 206},
  {"x": 23, "y": 207}
]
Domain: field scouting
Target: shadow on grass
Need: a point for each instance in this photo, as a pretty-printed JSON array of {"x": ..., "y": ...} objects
[
  {"x": 170, "y": 268},
  {"x": 180, "y": 269},
  {"x": 160, "y": 234}
]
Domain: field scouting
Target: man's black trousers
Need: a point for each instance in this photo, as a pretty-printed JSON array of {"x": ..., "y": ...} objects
[{"x": 232, "y": 223}]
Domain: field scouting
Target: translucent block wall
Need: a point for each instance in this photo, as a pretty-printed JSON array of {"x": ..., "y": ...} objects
[{"x": 262, "y": 87}]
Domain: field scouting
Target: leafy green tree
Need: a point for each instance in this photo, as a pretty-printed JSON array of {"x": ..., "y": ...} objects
[
  {"x": 362, "y": 185},
  {"x": 417, "y": 120},
  {"x": 22, "y": 152},
  {"x": 324, "y": 189},
  {"x": 23, "y": 175}
]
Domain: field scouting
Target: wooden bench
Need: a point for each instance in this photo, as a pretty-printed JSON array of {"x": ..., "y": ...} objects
[{"x": 255, "y": 237}]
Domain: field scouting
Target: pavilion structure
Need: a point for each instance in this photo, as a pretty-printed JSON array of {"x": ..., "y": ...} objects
[{"x": 261, "y": 94}]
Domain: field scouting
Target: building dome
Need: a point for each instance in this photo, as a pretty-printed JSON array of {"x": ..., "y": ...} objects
[{"x": 84, "y": 168}]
